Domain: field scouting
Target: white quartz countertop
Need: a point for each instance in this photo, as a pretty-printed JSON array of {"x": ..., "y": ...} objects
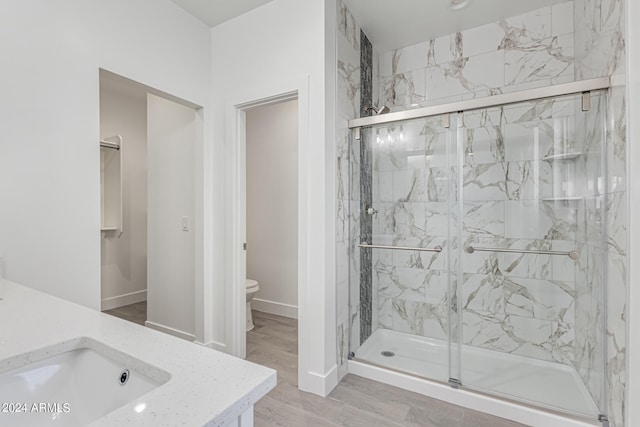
[{"x": 207, "y": 387}]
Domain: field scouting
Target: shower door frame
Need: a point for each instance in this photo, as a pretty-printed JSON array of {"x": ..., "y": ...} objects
[{"x": 584, "y": 88}]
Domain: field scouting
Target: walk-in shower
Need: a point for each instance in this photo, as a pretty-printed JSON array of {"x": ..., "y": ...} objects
[{"x": 478, "y": 245}]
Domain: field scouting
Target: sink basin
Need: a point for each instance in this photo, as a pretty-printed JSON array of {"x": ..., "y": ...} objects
[{"x": 72, "y": 384}]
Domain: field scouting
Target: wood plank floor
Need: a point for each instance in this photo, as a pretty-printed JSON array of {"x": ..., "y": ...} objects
[
  {"x": 136, "y": 313},
  {"x": 356, "y": 401}
]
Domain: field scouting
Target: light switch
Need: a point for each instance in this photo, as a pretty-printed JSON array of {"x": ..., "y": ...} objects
[{"x": 185, "y": 223}]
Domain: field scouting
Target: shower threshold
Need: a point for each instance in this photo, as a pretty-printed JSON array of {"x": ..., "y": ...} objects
[{"x": 531, "y": 381}]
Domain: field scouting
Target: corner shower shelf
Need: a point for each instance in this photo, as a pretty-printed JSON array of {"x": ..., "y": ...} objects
[{"x": 562, "y": 156}]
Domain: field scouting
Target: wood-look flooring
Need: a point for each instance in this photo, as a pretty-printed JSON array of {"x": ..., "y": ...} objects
[
  {"x": 136, "y": 313},
  {"x": 356, "y": 401}
]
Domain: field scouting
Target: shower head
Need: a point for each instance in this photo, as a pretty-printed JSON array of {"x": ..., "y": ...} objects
[{"x": 382, "y": 110}]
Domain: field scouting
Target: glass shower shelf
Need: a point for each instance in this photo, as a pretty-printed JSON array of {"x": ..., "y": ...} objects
[{"x": 562, "y": 156}]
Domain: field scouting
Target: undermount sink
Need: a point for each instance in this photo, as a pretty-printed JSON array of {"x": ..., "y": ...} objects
[{"x": 72, "y": 384}]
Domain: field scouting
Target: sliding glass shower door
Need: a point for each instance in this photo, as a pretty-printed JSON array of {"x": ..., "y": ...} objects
[
  {"x": 479, "y": 248},
  {"x": 532, "y": 258},
  {"x": 404, "y": 203}
]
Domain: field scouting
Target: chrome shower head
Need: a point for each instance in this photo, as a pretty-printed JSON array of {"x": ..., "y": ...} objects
[{"x": 382, "y": 110}]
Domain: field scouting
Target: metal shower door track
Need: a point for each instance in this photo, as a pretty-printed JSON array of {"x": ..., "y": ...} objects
[{"x": 486, "y": 102}]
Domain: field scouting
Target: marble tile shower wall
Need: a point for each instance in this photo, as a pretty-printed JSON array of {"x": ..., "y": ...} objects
[
  {"x": 348, "y": 173},
  {"x": 532, "y": 50},
  {"x": 599, "y": 51}
]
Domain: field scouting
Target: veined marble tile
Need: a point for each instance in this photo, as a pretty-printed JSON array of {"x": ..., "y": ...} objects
[
  {"x": 611, "y": 15},
  {"x": 483, "y": 145},
  {"x": 587, "y": 15},
  {"x": 530, "y": 219},
  {"x": 616, "y": 342},
  {"x": 431, "y": 261},
  {"x": 517, "y": 265},
  {"x": 403, "y": 60},
  {"x": 507, "y": 181},
  {"x": 342, "y": 301},
  {"x": 528, "y": 140},
  {"x": 617, "y": 141},
  {"x": 347, "y": 25},
  {"x": 540, "y": 299},
  {"x": 511, "y": 334},
  {"x": 485, "y": 117},
  {"x": 403, "y": 89},
  {"x": 484, "y": 218},
  {"x": 420, "y": 318},
  {"x": 481, "y": 72},
  {"x": 483, "y": 39},
  {"x": 602, "y": 54},
  {"x": 617, "y": 221},
  {"x": 526, "y": 28},
  {"x": 348, "y": 79},
  {"x": 443, "y": 49},
  {"x": 398, "y": 147},
  {"x": 355, "y": 329},
  {"x": 562, "y": 18},
  {"x": 544, "y": 59},
  {"x": 342, "y": 221}
]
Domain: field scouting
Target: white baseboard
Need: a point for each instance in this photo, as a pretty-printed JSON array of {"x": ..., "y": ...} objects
[
  {"x": 122, "y": 300},
  {"x": 170, "y": 331},
  {"x": 276, "y": 308},
  {"x": 319, "y": 384}
]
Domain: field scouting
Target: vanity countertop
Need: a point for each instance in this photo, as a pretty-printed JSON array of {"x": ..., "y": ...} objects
[{"x": 207, "y": 387}]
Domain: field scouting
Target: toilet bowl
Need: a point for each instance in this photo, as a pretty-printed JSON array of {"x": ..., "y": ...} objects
[{"x": 252, "y": 289}]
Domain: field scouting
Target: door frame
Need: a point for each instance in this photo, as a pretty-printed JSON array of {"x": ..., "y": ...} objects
[{"x": 236, "y": 208}]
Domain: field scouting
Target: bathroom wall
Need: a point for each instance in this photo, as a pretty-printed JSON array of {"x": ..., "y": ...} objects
[
  {"x": 49, "y": 158},
  {"x": 123, "y": 111},
  {"x": 246, "y": 64},
  {"x": 272, "y": 206}
]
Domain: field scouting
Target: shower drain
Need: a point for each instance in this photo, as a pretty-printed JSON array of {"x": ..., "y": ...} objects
[{"x": 387, "y": 353}]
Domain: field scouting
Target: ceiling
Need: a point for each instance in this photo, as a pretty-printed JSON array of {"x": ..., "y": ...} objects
[
  {"x": 389, "y": 24},
  {"x": 214, "y": 12}
]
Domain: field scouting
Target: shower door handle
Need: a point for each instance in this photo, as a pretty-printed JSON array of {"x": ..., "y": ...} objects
[{"x": 401, "y": 248}]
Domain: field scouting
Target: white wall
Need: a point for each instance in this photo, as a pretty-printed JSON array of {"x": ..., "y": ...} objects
[
  {"x": 279, "y": 42},
  {"x": 171, "y": 217},
  {"x": 49, "y": 116},
  {"x": 123, "y": 111},
  {"x": 272, "y": 206}
]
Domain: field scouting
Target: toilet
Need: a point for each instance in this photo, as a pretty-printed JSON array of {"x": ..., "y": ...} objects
[{"x": 252, "y": 289}]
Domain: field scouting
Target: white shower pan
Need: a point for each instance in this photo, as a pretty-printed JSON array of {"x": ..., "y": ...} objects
[{"x": 521, "y": 379}]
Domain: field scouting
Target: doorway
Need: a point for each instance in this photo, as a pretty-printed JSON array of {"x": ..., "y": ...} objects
[
  {"x": 148, "y": 206},
  {"x": 271, "y": 171}
]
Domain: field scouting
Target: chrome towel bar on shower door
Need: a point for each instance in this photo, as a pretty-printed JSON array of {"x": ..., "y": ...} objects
[
  {"x": 401, "y": 248},
  {"x": 571, "y": 254}
]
